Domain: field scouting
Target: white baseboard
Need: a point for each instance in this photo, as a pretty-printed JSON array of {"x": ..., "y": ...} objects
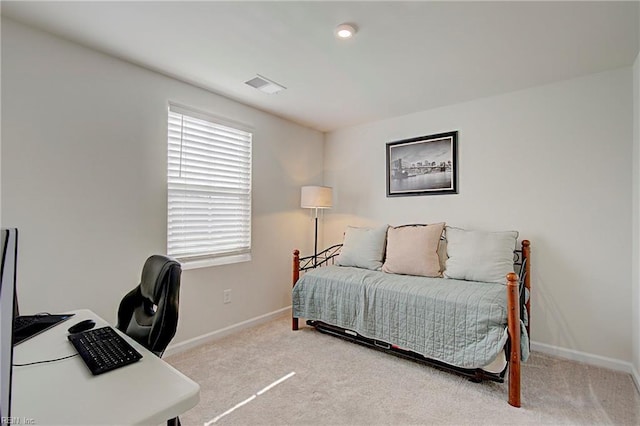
[
  {"x": 219, "y": 334},
  {"x": 636, "y": 377},
  {"x": 573, "y": 355},
  {"x": 587, "y": 358}
]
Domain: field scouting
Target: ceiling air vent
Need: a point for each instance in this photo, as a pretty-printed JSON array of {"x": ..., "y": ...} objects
[{"x": 265, "y": 85}]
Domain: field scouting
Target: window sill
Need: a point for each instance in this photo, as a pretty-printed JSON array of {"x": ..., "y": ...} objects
[{"x": 214, "y": 261}]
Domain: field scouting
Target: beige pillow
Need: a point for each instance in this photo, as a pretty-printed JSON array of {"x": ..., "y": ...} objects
[{"x": 413, "y": 250}]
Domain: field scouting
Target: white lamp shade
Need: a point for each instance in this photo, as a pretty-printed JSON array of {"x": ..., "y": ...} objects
[{"x": 316, "y": 197}]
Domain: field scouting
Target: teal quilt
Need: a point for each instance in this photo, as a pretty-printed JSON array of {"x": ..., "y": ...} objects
[{"x": 461, "y": 323}]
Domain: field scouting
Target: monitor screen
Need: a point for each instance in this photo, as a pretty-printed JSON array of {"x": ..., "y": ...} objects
[{"x": 9, "y": 257}]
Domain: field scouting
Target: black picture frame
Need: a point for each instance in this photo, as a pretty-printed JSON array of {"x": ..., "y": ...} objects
[{"x": 425, "y": 165}]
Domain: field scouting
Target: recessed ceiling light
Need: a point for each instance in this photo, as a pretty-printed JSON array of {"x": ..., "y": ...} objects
[{"x": 345, "y": 31}]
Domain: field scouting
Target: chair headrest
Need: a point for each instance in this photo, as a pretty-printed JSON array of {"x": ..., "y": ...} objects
[{"x": 154, "y": 272}]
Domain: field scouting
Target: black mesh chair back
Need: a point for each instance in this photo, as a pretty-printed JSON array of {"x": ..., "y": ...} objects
[{"x": 149, "y": 312}]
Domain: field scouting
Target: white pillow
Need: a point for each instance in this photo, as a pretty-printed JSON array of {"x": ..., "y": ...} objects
[
  {"x": 479, "y": 256},
  {"x": 363, "y": 247}
]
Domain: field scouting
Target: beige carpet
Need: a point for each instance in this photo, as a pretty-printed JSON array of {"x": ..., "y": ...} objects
[{"x": 341, "y": 383}]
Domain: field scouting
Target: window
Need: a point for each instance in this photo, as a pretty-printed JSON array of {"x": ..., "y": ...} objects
[{"x": 209, "y": 190}]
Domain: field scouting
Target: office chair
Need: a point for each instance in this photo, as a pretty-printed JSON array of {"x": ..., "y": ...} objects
[{"x": 149, "y": 312}]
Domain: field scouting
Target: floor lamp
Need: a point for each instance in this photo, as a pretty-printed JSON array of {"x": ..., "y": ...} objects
[{"x": 316, "y": 197}]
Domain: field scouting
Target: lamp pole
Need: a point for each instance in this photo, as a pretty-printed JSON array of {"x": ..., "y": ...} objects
[
  {"x": 315, "y": 197},
  {"x": 315, "y": 243}
]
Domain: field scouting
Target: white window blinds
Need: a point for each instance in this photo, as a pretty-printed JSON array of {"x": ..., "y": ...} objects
[{"x": 209, "y": 188}]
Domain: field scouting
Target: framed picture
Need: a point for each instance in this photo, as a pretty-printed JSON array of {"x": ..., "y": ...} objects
[{"x": 425, "y": 165}]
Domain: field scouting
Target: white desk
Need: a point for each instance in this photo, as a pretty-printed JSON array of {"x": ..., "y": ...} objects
[{"x": 149, "y": 391}]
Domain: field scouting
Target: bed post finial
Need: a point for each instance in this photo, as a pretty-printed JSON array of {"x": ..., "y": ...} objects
[
  {"x": 296, "y": 276},
  {"x": 513, "y": 323}
]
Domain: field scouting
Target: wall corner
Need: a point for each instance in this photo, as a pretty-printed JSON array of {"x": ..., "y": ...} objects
[{"x": 635, "y": 226}]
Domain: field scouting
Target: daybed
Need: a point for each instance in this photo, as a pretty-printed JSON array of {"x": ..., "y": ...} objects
[{"x": 450, "y": 310}]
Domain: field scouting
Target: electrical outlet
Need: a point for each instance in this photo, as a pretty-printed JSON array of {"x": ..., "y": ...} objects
[{"x": 227, "y": 296}]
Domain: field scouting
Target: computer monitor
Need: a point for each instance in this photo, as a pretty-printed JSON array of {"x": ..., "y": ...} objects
[{"x": 8, "y": 307}]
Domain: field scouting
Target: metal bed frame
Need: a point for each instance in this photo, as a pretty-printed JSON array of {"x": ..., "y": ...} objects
[{"x": 518, "y": 308}]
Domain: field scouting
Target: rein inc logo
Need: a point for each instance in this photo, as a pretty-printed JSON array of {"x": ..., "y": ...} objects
[{"x": 17, "y": 421}]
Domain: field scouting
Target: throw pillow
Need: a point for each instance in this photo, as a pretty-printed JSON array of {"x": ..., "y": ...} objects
[
  {"x": 479, "y": 256},
  {"x": 363, "y": 247},
  {"x": 413, "y": 250}
]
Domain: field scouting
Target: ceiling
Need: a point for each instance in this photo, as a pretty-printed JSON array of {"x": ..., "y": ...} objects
[{"x": 406, "y": 57}]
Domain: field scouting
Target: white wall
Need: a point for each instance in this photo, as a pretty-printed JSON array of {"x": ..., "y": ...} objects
[
  {"x": 635, "y": 261},
  {"x": 552, "y": 162},
  {"x": 635, "y": 197},
  {"x": 84, "y": 179}
]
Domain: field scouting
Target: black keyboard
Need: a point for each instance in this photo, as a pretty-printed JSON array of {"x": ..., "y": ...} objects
[
  {"x": 21, "y": 322},
  {"x": 25, "y": 327},
  {"x": 102, "y": 350}
]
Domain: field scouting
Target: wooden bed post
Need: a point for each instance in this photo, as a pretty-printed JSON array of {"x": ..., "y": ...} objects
[
  {"x": 296, "y": 275},
  {"x": 513, "y": 321},
  {"x": 526, "y": 254}
]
